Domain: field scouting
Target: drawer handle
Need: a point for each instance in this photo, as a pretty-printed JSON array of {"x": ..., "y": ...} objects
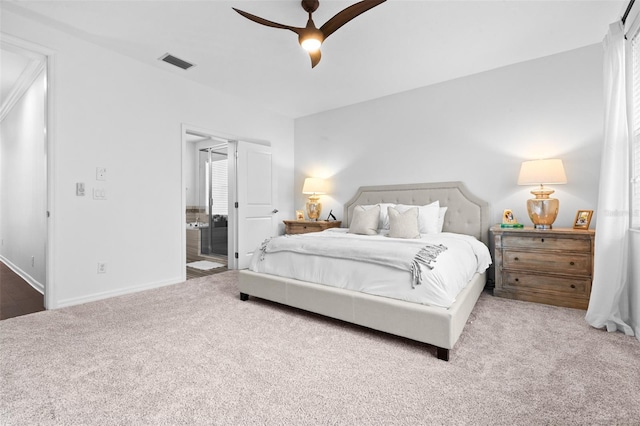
[
  {"x": 515, "y": 258},
  {"x": 572, "y": 263},
  {"x": 542, "y": 240},
  {"x": 517, "y": 279},
  {"x": 573, "y": 286}
]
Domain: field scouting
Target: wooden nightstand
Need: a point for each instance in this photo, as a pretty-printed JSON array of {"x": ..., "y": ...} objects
[
  {"x": 304, "y": 227},
  {"x": 552, "y": 266}
]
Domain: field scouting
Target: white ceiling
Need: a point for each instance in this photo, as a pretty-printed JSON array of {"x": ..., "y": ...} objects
[{"x": 397, "y": 46}]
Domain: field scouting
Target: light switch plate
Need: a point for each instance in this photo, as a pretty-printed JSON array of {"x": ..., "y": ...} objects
[
  {"x": 80, "y": 189},
  {"x": 101, "y": 173}
]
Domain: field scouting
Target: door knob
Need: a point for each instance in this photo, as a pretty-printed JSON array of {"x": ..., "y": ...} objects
[{"x": 275, "y": 211}]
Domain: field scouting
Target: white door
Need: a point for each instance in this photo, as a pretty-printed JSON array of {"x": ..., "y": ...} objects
[{"x": 254, "y": 211}]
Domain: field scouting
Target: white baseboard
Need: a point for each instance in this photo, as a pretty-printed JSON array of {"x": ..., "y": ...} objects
[
  {"x": 108, "y": 294},
  {"x": 38, "y": 286}
]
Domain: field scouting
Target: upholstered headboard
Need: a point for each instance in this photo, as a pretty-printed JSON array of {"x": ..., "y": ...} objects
[{"x": 466, "y": 213}]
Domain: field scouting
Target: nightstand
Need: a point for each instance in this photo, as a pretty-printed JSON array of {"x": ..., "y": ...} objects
[
  {"x": 552, "y": 266},
  {"x": 304, "y": 227}
]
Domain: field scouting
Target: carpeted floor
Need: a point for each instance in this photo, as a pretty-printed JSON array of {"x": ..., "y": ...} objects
[{"x": 193, "y": 353}]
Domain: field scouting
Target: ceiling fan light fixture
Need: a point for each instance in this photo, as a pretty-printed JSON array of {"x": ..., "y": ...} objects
[
  {"x": 311, "y": 39},
  {"x": 311, "y": 44}
]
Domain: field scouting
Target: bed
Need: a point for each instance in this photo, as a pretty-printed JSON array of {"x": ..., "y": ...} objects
[{"x": 435, "y": 325}]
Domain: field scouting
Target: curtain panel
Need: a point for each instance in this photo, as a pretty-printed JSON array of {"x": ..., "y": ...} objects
[{"x": 609, "y": 302}]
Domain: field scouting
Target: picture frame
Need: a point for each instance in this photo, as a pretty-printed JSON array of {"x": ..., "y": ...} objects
[
  {"x": 583, "y": 219},
  {"x": 508, "y": 217},
  {"x": 300, "y": 215}
]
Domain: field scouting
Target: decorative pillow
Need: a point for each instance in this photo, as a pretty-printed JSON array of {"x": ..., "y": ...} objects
[
  {"x": 365, "y": 221},
  {"x": 405, "y": 224},
  {"x": 443, "y": 211},
  {"x": 383, "y": 223},
  {"x": 427, "y": 216}
]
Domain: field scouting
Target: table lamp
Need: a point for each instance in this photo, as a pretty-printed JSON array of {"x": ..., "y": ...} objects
[
  {"x": 315, "y": 187},
  {"x": 542, "y": 209}
]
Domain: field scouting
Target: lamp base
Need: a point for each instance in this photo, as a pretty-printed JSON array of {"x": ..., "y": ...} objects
[
  {"x": 314, "y": 208},
  {"x": 543, "y": 212},
  {"x": 541, "y": 226}
]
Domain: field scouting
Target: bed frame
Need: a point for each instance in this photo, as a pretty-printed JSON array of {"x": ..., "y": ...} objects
[{"x": 436, "y": 326}]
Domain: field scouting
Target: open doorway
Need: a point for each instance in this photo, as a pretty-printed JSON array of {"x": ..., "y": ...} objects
[
  {"x": 206, "y": 174},
  {"x": 250, "y": 215},
  {"x": 24, "y": 179}
]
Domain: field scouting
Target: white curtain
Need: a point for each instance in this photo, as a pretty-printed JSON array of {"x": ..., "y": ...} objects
[{"x": 609, "y": 303}]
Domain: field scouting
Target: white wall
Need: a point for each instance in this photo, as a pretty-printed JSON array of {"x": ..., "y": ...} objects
[
  {"x": 112, "y": 111},
  {"x": 475, "y": 129},
  {"x": 23, "y": 196}
]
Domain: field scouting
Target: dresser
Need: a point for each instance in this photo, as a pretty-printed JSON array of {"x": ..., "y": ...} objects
[
  {"x": 304, "y": 227},
  {"x": 552, "y": 266}
]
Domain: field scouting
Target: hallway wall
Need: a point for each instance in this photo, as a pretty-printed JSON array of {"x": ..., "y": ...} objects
[{"x": 23, "y": 189}]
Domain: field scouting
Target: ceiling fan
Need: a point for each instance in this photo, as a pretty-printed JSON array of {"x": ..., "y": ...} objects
[{"x": 310, "y": 37}]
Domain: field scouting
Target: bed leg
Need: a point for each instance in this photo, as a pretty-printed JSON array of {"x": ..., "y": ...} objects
[
  {"x": 244, "y": 297},
  {"x": 443, "y": 354}
]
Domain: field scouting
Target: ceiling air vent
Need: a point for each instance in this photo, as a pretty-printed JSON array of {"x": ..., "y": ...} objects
[{"x": 170, "y": 59}]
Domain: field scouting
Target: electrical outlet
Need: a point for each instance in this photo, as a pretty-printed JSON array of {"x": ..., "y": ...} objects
[
  {"x": 99, "y": 194},
  {"x": 101, "y": 173},
  {"x": 102, "y": 267}
]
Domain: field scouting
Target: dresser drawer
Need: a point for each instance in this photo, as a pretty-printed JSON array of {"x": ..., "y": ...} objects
[
  {"x": 301, "y": 229},
  {"x": 513, "y": 280},
  {"x": 562, "y": 263},
  {"x": 546, "y": 242}
]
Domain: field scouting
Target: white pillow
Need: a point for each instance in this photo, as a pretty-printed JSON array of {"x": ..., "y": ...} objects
[
  {"x": 443, "y": 211},
  {"x": 365, "y": 221},
  {"x": 383, "y": 223},
  {"x": 427, "y": 216},
  {"x": 405, "y": 224}
]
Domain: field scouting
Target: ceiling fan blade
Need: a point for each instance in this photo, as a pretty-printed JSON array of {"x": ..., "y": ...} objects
[
  {"x": 266, "y": 22},
  {"x": 346, "y": 15},
  {"x": 315, "y": 57}
]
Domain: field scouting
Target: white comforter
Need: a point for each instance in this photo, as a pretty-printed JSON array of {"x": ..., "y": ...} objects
[{"x": 451, "y": 271}]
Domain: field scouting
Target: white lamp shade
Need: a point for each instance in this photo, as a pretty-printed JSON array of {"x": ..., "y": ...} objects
[
  {"x": 538, "y": 172},
  {"x": 314, "y": 186}
]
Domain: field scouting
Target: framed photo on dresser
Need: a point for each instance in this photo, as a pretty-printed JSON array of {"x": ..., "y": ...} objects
[
  {"x": 583, "y": 219},
  {"x": 508, "y": 218}
]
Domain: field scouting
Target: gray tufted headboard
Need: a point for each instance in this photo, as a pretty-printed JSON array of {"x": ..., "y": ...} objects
[{"x": 466, "y": 213}]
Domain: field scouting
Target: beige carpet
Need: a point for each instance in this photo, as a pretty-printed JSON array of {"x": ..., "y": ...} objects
[{"x": 193, "y": 353}]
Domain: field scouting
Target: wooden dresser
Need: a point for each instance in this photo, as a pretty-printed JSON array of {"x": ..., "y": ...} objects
[
  {"x": 553, "y": 266},
  {"x": 304, "y": 227}
]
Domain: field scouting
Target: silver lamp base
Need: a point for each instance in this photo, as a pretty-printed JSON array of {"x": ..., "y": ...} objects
[{"x": 543, "y": 211}]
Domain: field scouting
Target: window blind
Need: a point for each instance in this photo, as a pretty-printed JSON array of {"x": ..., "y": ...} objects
[{"x": 220, "y": 187}]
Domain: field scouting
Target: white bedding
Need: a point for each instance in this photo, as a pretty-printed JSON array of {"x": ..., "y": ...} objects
[{"x": 453, "y": 268}]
